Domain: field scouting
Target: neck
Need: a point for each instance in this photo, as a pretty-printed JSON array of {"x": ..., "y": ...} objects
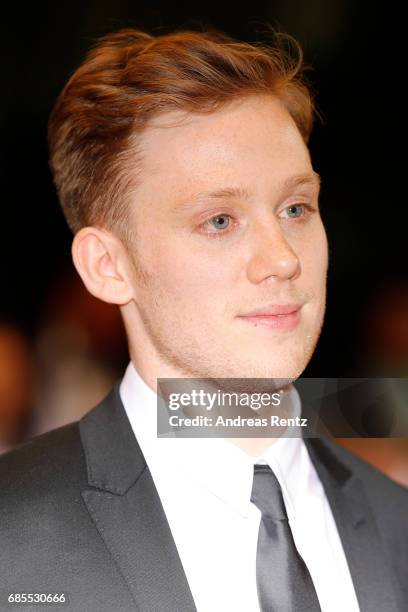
[{"x": 251, "y": 446}]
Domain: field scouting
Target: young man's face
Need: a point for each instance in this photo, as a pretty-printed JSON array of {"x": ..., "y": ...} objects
[{"x": 226, "y": 224}]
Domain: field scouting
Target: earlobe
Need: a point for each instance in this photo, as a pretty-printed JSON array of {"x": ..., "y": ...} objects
[{"x": 98, "y": 259}]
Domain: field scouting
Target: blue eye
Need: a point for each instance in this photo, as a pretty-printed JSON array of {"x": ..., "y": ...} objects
[
  {"x": 296, "y": 210},
  {"x": 220, "y": 221}
]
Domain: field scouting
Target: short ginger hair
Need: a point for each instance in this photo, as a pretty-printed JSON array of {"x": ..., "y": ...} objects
[{"x": 131, "y": 77}]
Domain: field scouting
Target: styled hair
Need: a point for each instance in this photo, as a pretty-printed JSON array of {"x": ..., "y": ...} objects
[{"x": 131, "y": 77}]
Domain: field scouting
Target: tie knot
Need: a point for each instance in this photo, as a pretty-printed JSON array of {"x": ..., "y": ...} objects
[{"x": 267, "y": 494}]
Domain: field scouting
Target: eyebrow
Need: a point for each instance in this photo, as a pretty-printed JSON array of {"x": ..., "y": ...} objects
[{"x": 311, "y": 178}]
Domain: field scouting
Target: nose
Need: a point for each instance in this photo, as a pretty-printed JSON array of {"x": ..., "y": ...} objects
[{"x": 272, "y": 256}]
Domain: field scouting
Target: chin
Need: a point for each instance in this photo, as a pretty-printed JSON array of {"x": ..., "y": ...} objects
[
  {"x": 283, "y": 375},
  {"x": 287, "y": 370},
  {"x": 281, "y": 362}
]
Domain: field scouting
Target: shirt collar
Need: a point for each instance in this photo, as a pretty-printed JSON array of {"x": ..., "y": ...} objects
[{"x": 219, "y": 465}]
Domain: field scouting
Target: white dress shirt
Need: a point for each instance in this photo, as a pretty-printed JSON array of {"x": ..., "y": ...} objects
[{"x": 205, "y": 485}]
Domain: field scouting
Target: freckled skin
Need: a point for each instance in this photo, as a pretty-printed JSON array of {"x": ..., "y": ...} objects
[{"x": 182, "y": 320}]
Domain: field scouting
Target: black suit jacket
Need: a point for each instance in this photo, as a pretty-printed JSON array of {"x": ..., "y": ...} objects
[{"x": 80, "y": 515}]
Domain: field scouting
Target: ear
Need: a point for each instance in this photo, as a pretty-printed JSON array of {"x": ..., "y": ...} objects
[{"x": 100, "y": 260}]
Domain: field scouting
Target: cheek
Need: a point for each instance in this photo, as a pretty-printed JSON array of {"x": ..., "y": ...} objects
[
  {"x": 314, "y": 258},
  {"x": 187, "y": 273}
]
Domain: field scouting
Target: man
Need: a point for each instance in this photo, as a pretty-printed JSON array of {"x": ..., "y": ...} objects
[{"x": 182, "y": 167}]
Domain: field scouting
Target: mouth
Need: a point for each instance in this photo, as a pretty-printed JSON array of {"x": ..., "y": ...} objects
[{"x": 283, "y": 317}]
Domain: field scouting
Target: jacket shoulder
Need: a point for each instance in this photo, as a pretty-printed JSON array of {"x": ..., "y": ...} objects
[
  {"x": 388, "y": 499},
  {"x": 52, "y": 460},
  {"x": 368, "y": 472}
]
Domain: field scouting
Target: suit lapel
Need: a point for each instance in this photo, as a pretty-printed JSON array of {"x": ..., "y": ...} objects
[
  {"x": 372, "y": 578},
  {"x": 124, "y": 504}
]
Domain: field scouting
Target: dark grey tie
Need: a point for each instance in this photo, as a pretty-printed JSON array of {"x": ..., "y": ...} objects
[{"x": 283, "y": 580}]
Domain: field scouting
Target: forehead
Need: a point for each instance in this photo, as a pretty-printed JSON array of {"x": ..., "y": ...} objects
[{"x": 251, "y": 140}]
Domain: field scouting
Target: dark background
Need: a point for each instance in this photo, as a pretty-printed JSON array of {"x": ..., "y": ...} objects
[{"x": 353, "y": 48}]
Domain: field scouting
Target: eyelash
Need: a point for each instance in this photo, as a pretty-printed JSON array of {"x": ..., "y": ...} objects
[{"x": 218, "y": 233}]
